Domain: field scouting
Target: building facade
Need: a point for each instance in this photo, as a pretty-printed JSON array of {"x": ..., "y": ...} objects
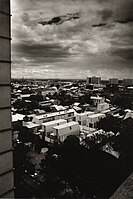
[
  {"x": 97, "y": 100},
  {"x": 64, "y": 130},
  {"x": 93, "y": 80},
  {"x": 81, "y": 118},
  {"x": 128, "y": 82},
  {"x": 92, "y": 120},
  {"x": 47, "y": 127},
  {"x": 66, "y": 115},
  {"x": 113, "y": 81},
  {"x": 102, "y": 107},
  {"x": 6, "y": 154}
]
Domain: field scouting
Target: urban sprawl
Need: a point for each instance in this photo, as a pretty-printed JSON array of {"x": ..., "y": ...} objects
[{"x": 71, "y": 138}]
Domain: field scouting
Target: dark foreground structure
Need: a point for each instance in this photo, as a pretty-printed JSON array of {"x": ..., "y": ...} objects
[
  {"x": 6, "y": 159},
  {"x": 125, "y": 190}
]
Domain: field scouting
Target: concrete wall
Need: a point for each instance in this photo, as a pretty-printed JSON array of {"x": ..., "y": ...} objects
[
  {"x": 81, "y": 118},
  {"x": 102, "y": 106},
  {"x": 6, "y": 156},
  {"x": 48, "y": 128},
  {"x": 65, "y": 131},
  {"x": 93, "y": 120}
]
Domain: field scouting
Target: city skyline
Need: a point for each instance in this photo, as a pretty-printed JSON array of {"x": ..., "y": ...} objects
[{"x": 73, "y": 39}]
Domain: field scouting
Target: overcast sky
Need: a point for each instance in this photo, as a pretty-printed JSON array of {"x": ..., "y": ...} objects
[{"x": 88, "y": 37}]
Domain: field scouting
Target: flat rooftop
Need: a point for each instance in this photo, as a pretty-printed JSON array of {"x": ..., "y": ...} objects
[
  {"x": 53, "y": 122},
  {"x": 17, "y": 117},
  {"x": 31, "y": 125},
  {"x": 96, "y": 115},
  {"x": 54, "y": 114},
  {"x": 96, "y": 98},
  {"x": 66, "y": 125},
  {"x": 85, "y": 113}
]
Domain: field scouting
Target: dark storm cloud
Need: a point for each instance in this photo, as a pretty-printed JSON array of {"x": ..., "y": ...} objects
[
  {"x": 124, "y": 11},
  {"x": 105, "y": 14},
  {"x": 125, "y": 54},
  {"x": 41, "y": 52},
  {"x": 99, "y": 25},
  {"x": 99, "y": 42},
  {"x": 61, "y": 19},
  {"x": 127, "y": 20}
]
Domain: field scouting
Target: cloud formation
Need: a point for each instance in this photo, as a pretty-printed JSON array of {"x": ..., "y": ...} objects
[
  {"x": 73, "y": 39},
  {"x": 61, "y": 19}
]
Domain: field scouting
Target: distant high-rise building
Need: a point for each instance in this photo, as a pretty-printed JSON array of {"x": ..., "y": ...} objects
[
  {"x": 128, "y": 82},
  {"x": 93, "y": 80},
  {"x": 6, "y": 154},
  {"x": 113, "y": 81}
]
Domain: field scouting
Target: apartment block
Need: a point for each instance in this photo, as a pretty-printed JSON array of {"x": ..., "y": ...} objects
[
  {"x": 64, "y": 130},
  {"x": 47, "y": 127},
  {"x": 93, "y": 80},
  {"x": 81, "y": 118},
  {"x": 92, "y": 120},
  {"x": 66, "y": 115}
]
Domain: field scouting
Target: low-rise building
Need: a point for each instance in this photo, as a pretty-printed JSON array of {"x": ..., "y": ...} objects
[
  {"x": 17, "y": 119},
  {"x": 102, "y": 106},
  {"x": 128, "y": 82},
  {"x": 92, "y": 120},
  {"x": 93, "y": 80},
  {"x": 47, "y": 127},
  {"x": 66, "y": 114},
  {"x": 97, "y": 100},
  {"x": 113, "y": 81},
  {"x": 33, "y": 128},
  {"x": 81, "y": 118},
  {"x": 62, "y": 131}
]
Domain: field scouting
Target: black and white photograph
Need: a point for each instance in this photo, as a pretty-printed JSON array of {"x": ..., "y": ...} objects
[{"x": 66, "y": 99}]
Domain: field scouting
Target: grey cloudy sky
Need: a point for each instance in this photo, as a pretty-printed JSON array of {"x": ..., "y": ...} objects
[{"x": 50, "y": 42}]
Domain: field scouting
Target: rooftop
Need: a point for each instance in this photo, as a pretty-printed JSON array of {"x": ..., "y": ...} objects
[
  {"x": 85, "y": 113},
  {"x": 31, "y": 125},
  {"x": 66, "y": 125},
  {"x": 54, "y": 114},
  {"x": 17, "y": 117},
  {"x": 53, "y": 122},
  {"x": 96, "y": 115},
  {"x": 95, "y": 98}
]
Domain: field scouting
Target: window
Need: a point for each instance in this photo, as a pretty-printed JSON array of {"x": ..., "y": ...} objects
[
  {"x": 90, "y": 125},
  {"x": 69, "y": 114},
  {"x": 79, "y": 122}
]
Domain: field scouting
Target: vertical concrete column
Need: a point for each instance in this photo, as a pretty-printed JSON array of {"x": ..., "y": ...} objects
[{"x": 6, "y": 156}]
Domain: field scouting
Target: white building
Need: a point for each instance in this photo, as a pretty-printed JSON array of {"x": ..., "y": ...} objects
[
  {"x": 62, "y": 131},
  {"x": 47, "y": 127},
  {"x": 93, "y": 119},
  {"x": 102, "y": 106},
  {"x": 81, "y": 118},
  {"x": 32, "y": 127},
  {"x": 97, "y": 100},
  {"x": 17, "y": 117},
  {"x": 66, "y": 114}
]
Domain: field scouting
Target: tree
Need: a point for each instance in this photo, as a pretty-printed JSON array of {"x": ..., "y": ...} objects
[
  {"x": 25, "y": 135},
  {"x": 109, "y": 123}
]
